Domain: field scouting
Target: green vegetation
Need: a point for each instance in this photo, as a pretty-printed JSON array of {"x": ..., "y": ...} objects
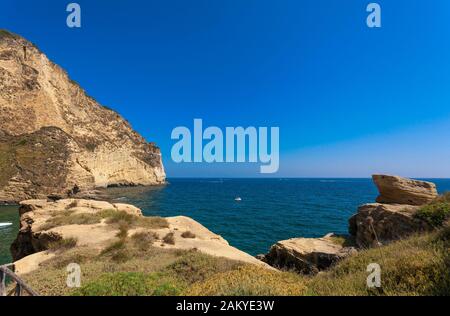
[
  {"x": 250, "y": 280},
  {"x": 436, "y": 212},
  {"x": 417, "y": 265},
  {"x": 6, "y": 34},
  {"x": 128, "y": 284},
  {"x": 131, "y": 265}
]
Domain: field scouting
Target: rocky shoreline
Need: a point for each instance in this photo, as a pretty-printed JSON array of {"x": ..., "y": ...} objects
[
  {"x": 374, "y": 225},
  {"x": 45, "y": 222}
]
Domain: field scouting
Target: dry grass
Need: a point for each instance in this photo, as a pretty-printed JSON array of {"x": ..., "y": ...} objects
[
  {"x": 169, "y": 239},
  {"x": 154, "y": 222},
  {"x": 117, "y": 218},
  {"x": 418, "y": 265},
  {"x": 250, "y": 280},
  {"x": 143, "y": 240},
  {"x": 62, "y": 244},
  {"x": 188, "y": 234},
  {"x": 415, "y": 266}
]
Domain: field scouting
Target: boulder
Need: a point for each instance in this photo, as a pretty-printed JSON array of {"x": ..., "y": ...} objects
[
  {"x": 307, "y": 255},
  {"x": 398, "y": 190},
  {"x": 376, "y": 224}
]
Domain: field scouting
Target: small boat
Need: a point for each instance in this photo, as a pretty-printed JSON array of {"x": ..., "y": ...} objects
[
  {"x": 5, "y": 224},
  {"x": 238, "y": 199}
]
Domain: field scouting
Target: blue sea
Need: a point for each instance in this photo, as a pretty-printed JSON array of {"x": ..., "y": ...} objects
[{"x": 270, "y": 209}]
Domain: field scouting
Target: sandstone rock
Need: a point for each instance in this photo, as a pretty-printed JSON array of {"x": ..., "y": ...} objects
[
  {"x": 58, "y": 140},
  {"x": 376, "y": 224},
  {"x": 34, "y": 237},
  {"x": 398, "y": 190},
  {"x": 307, "y": 255}
]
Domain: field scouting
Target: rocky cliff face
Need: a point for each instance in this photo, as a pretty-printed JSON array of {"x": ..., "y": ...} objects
[{"x": 54, "y": 137}]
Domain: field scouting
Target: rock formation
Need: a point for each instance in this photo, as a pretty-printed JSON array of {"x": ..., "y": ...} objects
[
  {"x": 35, "y": 234},
  {"x": 377, "y": 224},
  {"x": 398, "y": 190},
  {"x": 393, "y": 217},
  {"x": 54, "y": 138},
  {"x": 307, "y": 255},
  {"x": 374, "y": 224}
]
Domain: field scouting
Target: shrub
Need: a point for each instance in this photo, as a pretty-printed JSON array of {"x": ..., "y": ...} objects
[
  {"x": 435, "y": 213},
  {"x": 68, "y": 218},
  {"x": 117, "y": 245},
  {"x": 137, "y": 221},
  {"x": 123, "y": 230},
  {"x": 129, "y": 284},
  {"x": 188, "y": 234},
  {"x": 195, "y": 266},
  {"x": 62, "y": 244},
  {"x": 169, "y": 239},
  {"x": 417, "y": 265},
  {"x": 144, "y": 240},
  {"x": 250, "y": 280}
]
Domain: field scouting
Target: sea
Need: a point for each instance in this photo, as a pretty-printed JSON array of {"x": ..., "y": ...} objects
[{"x": 251, "y": 214}]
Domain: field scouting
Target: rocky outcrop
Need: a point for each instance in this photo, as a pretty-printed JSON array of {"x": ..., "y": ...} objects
[
  {"x": 307, "y": 255},
  {"x": 398, "y": 190},
  {"x": 35, "y": 235},
  {"x": 378, "y": 224},
  {"x": 91, "y": 145},
  {"x": 393, "y": 217}
]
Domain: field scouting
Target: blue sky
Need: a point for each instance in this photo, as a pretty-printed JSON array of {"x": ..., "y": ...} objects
[{"x": 349, "y": 100}]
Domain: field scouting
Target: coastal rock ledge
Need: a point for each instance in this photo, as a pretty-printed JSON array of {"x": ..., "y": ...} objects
[
  {"x": 95, "y": 225},
  {"x": 374, "y": 225},
  {"x": 308, "y": 255},
  {"x": 393, "y": 217}
]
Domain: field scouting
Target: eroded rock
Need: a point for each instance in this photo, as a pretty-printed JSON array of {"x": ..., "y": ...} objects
[
  {"x": 35, "y": 235},
  {"x": 376, "y": 224},
  {"x": 307, "y": 255},
  {"x": 398, "y": 190}
]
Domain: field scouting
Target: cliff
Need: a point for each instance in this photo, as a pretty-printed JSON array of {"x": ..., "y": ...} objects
[{"x": 55, "y": 139}]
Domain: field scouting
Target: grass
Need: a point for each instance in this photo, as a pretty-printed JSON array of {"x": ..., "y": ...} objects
[
  {"x": 143, "y": 240},
  {"x": 415, "y": 266},
  {"x": 188, "y": 234},
  {"x": 418, "y": 265},
  {"x": 129, "y": 284},
  {"x": 437, "y": 212},
  {"x": 154, "y": 222},
  {"x": 6, "y": 34},
  {"x": 195, "y": 266},
  {"x": 62, "y": 244},
  {"x": 169, "y": 239},
  {"x": 119, "y": 218},
  {"x": 250, "y": 280}
]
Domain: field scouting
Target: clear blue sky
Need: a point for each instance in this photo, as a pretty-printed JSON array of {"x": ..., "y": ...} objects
[{"x": 349, "y": 100}]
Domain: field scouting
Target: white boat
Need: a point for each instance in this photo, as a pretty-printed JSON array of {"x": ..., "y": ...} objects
[
  {"x": 5, "y": 224},
  {"x": 238, "y": 199}
]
